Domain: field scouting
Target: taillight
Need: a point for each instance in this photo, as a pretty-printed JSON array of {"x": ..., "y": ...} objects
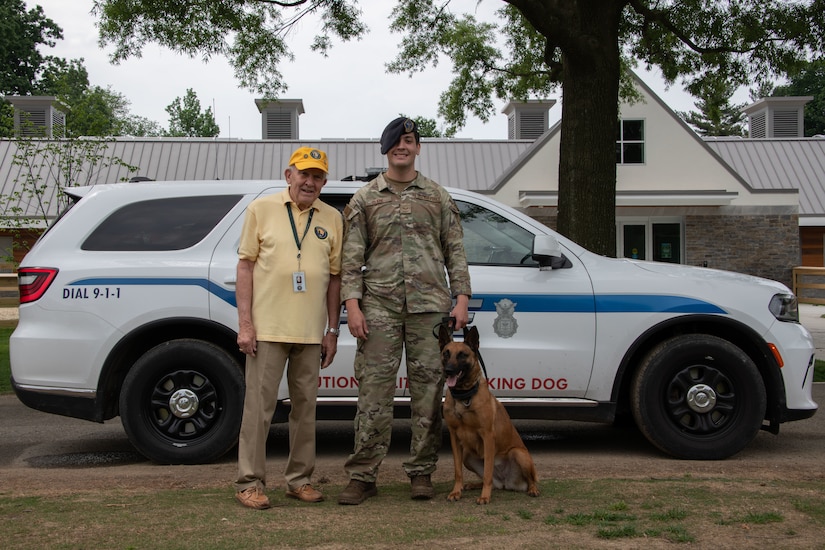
[{"x": 34, "y": 281}]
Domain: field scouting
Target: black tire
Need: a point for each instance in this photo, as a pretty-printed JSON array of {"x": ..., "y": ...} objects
[
  {"x": 698, "y": 397},
  {"x": 182, "y": 402}
]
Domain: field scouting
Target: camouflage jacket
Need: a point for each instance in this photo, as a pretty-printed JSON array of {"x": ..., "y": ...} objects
[{"x": 400, "y": 248}]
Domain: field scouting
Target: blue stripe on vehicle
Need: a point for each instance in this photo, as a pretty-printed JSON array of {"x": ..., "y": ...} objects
[
  {"x": 601, "y": 303},
  {"x": 525, "y": 303},
  {"x": 227, "y": 296}
]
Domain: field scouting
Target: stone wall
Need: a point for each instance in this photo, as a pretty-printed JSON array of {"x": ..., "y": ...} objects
[{"x": 765, "y": 245}]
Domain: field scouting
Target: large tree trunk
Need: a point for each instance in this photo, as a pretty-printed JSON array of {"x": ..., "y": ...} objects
[{"x": 587, "y": 167}]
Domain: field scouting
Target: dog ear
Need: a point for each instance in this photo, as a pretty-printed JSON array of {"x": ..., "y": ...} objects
[
  {"x": 471, "y": 338},
  {"x": 445, "y": 336}
]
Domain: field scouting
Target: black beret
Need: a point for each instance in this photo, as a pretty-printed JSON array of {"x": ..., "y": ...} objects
[{"x": 394, "y": 130}]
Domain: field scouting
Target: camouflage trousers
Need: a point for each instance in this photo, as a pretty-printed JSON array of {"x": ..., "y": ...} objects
[{"x": 376, "y": 368}]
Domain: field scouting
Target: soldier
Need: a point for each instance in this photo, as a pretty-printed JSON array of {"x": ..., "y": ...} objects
[{"x": 403, "y": 232}]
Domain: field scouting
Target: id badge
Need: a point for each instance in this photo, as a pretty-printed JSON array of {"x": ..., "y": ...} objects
[{"x": 299, "y": 281}]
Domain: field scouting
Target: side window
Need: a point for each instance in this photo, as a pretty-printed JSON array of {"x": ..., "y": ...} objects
[
  {"x": 491, "y": 239},
  {"x": 336, "y": 200},
  {"x": 161, "y": 224}
]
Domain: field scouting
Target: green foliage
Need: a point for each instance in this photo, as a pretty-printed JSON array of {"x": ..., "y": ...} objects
[
  {"x": 187, "y": 119},
  {"x": 93, "y": 111},
  {"x": 5, "y": 367},
  {"x": 809, "y": 81},
  {"x": 6, "y": 119},
  {"x": 427, "y": 127},
  {"x": 251, "y": 34},
  {"x": 22, "y": 33},
  {"x": 715, "y": 116},
  {"x": 138, "y": 126},
  {"x": 528, "y": 48}
]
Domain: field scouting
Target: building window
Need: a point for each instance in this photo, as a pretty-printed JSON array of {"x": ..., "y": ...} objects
[
  {"x": 657, "y": 239},
  {"x": 630, "y": 142}
]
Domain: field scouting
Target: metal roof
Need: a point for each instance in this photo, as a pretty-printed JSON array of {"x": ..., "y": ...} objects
[
  {"x": 478, "y": 165},
  {"x": 466, "y": 164},
  {"x": 779, "y": 163}
]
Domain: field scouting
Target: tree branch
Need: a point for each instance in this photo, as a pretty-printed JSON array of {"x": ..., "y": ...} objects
[{"x": 660, "y": 17}]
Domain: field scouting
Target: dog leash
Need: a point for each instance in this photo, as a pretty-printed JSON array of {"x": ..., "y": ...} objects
[{"x": 478, "y": 354}]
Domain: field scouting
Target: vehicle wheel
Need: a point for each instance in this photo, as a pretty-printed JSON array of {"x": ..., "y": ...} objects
[
  {"x": 699, "y": 397},
  {"x": 182, "y": 402}
]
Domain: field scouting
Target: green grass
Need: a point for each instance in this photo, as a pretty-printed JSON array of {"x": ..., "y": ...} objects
[
  {"x": 5, "y": 369},
  {"x": 580, "y": 513},
  {"x": 819, "y": 371}
]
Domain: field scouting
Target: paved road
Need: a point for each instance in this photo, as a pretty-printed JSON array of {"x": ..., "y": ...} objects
[{"x": 43, "y": 452}]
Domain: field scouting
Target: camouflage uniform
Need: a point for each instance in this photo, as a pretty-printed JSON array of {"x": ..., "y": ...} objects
[{"x": 399, "y": 249}]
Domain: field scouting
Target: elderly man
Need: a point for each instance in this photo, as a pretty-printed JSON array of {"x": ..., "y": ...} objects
[{"x": 288, "y": 294}]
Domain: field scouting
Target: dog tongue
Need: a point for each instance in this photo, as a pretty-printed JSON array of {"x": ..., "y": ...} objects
[{"x": 452, "y": 381}]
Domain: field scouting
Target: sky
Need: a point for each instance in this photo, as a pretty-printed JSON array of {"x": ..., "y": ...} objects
[{"x": 347, "y": 95}]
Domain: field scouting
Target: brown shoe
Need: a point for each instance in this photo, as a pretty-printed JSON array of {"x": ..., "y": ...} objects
[
  {"x": 306, "y": 493},
  {"x": 422, "y": 487},
  {"x": 253, "y": 497},
  {"x": 357, "y": 492}
]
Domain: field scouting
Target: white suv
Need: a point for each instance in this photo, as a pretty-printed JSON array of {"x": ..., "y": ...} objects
[{"x": 128, "y": 308}]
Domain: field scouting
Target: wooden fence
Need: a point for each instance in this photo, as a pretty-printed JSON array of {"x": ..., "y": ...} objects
[
  {"x": 8, "y": 285},
  {"x": 809, "y": 285}
]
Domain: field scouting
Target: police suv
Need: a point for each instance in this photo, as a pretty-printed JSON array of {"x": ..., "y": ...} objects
[{"x": 127, "y": 307}]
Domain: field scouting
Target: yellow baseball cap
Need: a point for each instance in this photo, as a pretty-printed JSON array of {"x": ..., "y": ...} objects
[{"x": 308, "y": 157}]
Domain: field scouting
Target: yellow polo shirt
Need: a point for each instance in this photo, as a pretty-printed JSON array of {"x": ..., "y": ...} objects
[{"x": 280, "y": 314}]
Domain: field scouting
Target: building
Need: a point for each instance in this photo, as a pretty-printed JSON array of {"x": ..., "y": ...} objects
[{"x": 680, "y": 198}]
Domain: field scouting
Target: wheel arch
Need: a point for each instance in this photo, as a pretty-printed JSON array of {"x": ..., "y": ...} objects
[
  {"x": 735, "y": 332},
  {"x": 142, "y": 339}
]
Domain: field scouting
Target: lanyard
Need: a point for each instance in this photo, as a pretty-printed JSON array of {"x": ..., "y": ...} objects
[{"x": 300, "y": 241}]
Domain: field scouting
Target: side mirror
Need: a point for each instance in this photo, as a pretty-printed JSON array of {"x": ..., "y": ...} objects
[{"x": 547, "y": 252}]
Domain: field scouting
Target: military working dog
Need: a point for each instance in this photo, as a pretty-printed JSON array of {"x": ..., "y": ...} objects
[{"x": 482, "y": 435}]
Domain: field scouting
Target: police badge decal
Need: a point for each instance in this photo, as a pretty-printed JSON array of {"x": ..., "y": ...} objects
[{"x": 505, "y": 324}]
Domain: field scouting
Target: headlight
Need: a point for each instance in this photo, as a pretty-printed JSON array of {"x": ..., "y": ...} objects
[{"x": 785, "y": 307}]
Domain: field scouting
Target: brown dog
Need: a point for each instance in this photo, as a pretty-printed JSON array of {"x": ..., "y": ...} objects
[{"x": 481, "y": 434}]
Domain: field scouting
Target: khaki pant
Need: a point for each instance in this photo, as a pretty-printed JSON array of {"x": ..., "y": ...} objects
[{"x": 263, "y": 376}]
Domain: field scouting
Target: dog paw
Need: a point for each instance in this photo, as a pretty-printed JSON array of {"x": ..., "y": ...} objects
[
  {"x": 533, "y": 491},
  {"x": 454, "y": 496},
  {"x": 483, "y": 500}
]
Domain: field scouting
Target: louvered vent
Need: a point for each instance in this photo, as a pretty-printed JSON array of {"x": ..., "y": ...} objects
[
  {"x": 33, "y": 122},
  {"x": 533, "y": 125},
  {"x": 528, "y": 120},
  {"x": 279, "y": 117},
  {"x": 758, "y": 126},
  {"x": 278, "y": 125},
  {"x": 58, "y": 124},
  {"x": 786, "y": 123},
  {"x": 38, "y": 116},
  {"x": 777, "y": 117}
]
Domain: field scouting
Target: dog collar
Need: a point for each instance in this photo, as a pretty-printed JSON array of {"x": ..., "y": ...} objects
[{"x": 465, "y": 395}]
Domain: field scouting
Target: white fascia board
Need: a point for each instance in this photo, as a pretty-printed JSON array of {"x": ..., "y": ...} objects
[{"x": 630, "y": 198}]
